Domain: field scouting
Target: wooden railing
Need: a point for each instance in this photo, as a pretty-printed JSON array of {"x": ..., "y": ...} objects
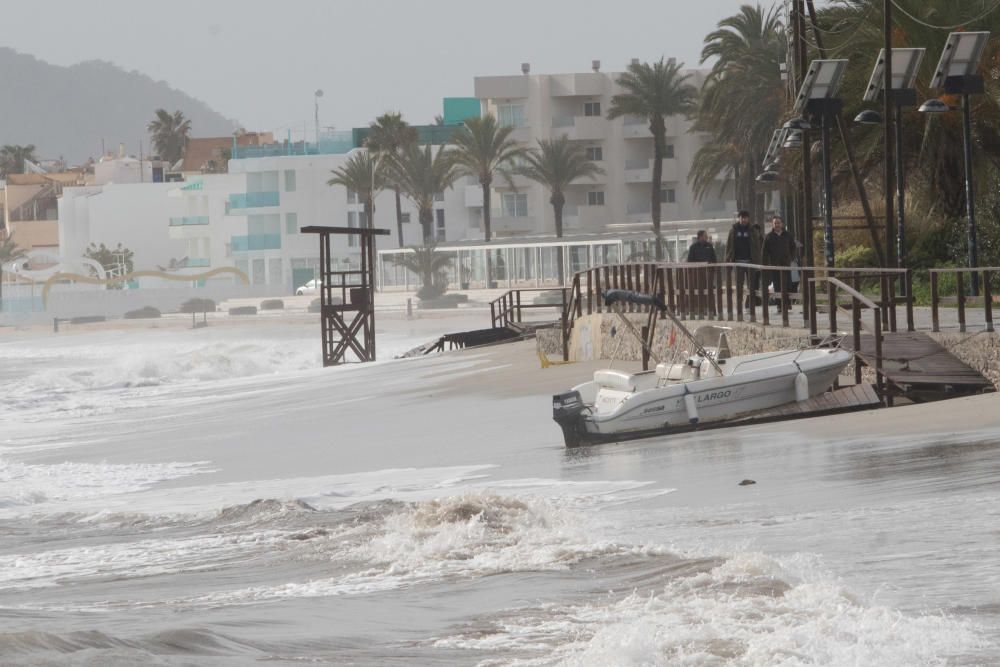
[
  {"x": 509, "y": 308},
  {"x": 859, "y": 303},
  {"x": 984, "y": 273}
]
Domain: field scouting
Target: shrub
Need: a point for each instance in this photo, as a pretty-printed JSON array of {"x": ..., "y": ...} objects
[
  {"x": 243, "y": 310},
  {"x": 272, "y": 304},
  {"x": 198, "y": 305},
  {"x": 146, "y": 312}
]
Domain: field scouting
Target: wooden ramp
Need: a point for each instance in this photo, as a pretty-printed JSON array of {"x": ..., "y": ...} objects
[
  {"x": 845, "y": 399},
  {"x": 913, "y": 363}
]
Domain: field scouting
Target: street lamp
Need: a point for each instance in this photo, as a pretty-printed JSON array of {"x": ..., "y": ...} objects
[
  {"x": 956, "y": 74},
  {"x": 904, "y": 66},
  {"x": 818, "y": 96},
  {"x": 318, "y": 94}
]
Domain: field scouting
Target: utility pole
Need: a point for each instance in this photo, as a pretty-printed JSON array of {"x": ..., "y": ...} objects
[{"x": 887, "y": 135}]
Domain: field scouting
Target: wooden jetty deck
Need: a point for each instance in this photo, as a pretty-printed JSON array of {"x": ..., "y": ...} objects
[{"x": 915, "y": 365}]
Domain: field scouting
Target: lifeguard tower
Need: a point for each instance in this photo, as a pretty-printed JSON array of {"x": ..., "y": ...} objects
[{"x": 350, "y": 323}]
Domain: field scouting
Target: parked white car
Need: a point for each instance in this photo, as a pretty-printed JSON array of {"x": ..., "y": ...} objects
[{"x": 311, "y": 287}]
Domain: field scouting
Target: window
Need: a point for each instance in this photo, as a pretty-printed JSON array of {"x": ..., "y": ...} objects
[
  {"x": 595, "y": 153},
  {"x": 404, "y": 217},
  {"x": 514, "y": 204},
  {"x": 510, "y": 115},
  {"x": 595, "y": 198},
  {"x": 591, "y": 108},
  {"x": 291, "y": 222},
  {"x": 668, "y": 196},
  {"x": 668, "y": 151},
  {"x": 352, "y": 197},
  {"x": 289, "y": 180},
  {"x": 274, "y": 271},
  {"x": 438, "y": 196},
  {"x": 352, "y": 222},
  {"x": 439, "y": 230}
]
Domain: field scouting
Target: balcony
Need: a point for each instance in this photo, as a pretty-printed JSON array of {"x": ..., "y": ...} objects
[
  {"x": 580, "y": 128},
  {"x": 575, "y": 85},
  {"x": 473, "y": 196},
  {"x": 636, "y": 128},
  {"x": 641, "y": 171},
  {"x": 198, "y": 262},
  {"x": 501, "y": 87},
  {"x": 189, "y": 220},
  {"x": 244, "y": 200},
  {"x": 255, "y": 242}
]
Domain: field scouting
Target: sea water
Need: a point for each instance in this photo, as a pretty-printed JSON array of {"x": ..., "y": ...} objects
[{"x": 213, "y": 497}]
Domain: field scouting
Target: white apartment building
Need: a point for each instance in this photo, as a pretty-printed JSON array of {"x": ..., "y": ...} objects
[{"x": 576, "y": 105}]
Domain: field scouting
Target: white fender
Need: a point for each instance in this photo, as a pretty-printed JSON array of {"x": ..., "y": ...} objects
[
  {"x": 692, "y": 408},
  {"x": 801, "y": 387}
]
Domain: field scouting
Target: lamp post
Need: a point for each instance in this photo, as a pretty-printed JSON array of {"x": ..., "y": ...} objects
[
  {"x": 318, "y": 94},
  {"x": 818, "y": 96},
  {"x": 957, "y": 74},
  {"x": 904, "y": 65}
]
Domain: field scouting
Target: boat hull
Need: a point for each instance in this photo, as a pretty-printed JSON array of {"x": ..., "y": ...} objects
[{"x": 592, "y": 414}]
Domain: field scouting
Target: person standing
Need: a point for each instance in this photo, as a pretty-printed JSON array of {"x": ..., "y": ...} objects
[
  {"x": 702, "y": 250},
  {"x": 779, "y": 249},
  {"x": 744, "y": 246}
]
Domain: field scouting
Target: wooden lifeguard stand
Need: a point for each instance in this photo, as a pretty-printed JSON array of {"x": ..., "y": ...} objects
[{"x": 356, "y": 289}]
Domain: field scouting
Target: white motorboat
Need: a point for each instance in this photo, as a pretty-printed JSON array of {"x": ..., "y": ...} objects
[{"x": 707, "y": 387}]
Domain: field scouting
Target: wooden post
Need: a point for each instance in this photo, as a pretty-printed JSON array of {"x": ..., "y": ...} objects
[
  {"x": 729, "y": 293},
  {"x": 671, "y": 294},
  {"x": 784, "y": 299},
  {"x": 987, "y": 301},
  {"x": 813, "y": 322},
  {"x": 645, "y": 348},
  {"x": 831, "y": 295},
  {"x": 909, "y": 300},
  {"x": 765, "y": 309},
  {"x": 856, "y": 331},
  {"x": 740, "y": 284},
  {"x": 892, "y": 302},
  {"x": 878, "y": 354},
  {"x": 518, "y": 297},
  {"x": 717, "y": 276},
  {"x": 960, "y": 280},
  {"x": 935, "y": 322}
]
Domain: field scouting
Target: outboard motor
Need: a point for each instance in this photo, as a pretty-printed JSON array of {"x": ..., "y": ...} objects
[{"x": 567, "y": 411}]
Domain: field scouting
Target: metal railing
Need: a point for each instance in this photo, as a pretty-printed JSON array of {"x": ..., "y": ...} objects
[
  {"x": 240, "y": 200},
  {"x": 984, "y": 273},
  {"x": 859, "y": 303},
  {"x": 509, "y": 309},
  {"x": 189, "y": 220}
]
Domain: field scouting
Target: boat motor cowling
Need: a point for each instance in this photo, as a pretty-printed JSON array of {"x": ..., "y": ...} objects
[{"x": 567, "y": 411}]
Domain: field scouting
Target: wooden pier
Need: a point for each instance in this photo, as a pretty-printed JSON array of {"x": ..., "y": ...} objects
[{"x": 917, "y": 367}]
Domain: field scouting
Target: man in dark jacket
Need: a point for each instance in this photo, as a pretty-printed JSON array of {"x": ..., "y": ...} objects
[
  {"x": 779, "y": 249},
  {"x": 744, "y": 247},
  {"x": 701, "y": 250}
]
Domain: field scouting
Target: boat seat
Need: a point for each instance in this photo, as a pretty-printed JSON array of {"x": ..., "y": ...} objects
[
  {"x": 673, "y": 372},
  {"x": 613, "y": 379}
]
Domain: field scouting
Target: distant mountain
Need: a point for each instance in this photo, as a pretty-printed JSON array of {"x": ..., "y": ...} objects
[{"x": 67, "y": 111}]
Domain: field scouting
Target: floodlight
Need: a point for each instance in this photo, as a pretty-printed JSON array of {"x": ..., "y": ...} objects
[
  {"x": 905, "y": 65},
  {"x": 767, "y": 177},
  {"x": 960, "y": 57},
  {"x": 794, "y": 139},
  {"x": 777, "y": 139},
  {"x": 934, "y": 106},
  {"x": 868, "y": 117},
  {"x": 772, "y": 166},
  {"x": 797, "y": 124},
  {"x": 821, "y": 82}
]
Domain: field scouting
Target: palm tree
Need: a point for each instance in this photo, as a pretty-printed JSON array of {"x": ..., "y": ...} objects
[
  {"x": 170, "y": 134},
  {"x": 363, "y": 174},
  {"x": 482, "y": 148},
  {"x": 555, "y": 164},
  {"x": 654, "y": 91},
  {"x": 422, "y": 173},
  {"x": 741, "y": 103},
  {"x": 425, "y": 261},
  {"x": 12, "y": 158},
  {"x": 389, "y": 135},
  {"x": 9, "y": 252}
]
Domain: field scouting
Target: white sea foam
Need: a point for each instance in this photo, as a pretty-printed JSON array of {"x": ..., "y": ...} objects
[
  {"x": 743, "y": 612},
  {"x": 23, "y": 484}
]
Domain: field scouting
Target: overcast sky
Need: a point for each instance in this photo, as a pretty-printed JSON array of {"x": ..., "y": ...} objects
[{"x": 259, "y": 62}]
